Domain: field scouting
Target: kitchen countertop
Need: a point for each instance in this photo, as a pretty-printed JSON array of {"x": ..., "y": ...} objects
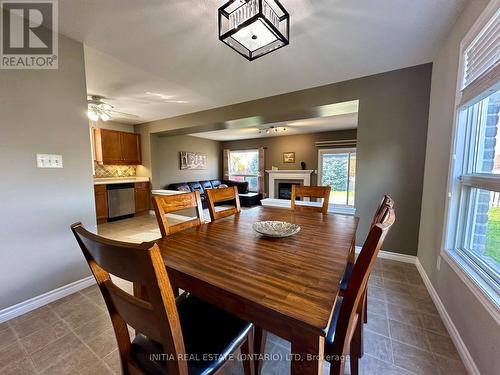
[{"x": 119, "y": 180}]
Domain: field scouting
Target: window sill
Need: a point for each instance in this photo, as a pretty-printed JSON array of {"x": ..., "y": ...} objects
[{"x": 473, "y": 278}]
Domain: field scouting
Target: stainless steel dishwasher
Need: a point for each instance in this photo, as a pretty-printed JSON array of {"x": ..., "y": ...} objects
[{"x": 121, "y": 200}]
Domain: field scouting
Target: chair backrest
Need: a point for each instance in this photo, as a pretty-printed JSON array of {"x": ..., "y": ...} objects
[
  {"x": 386, "y": 201},
  {"x": 221, "y": 195},
  {"x": 352, "y": 304},
  {"x": 165, "y": 204},
  {"x": 157, "y": 318},
  {"x": 311, "y": 192}
]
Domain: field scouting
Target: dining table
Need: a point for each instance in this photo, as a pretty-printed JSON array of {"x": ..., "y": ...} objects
[{"x": 287, "y": 286}]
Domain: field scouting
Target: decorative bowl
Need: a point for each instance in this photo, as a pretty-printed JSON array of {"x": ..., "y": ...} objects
[{"x": 276, "y": 229}]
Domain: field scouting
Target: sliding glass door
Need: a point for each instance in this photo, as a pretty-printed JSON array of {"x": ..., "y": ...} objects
[{"x": 337, "y": 169}]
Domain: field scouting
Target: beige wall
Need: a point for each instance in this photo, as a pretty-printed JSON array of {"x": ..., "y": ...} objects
[
  {"x": 166, "y": 160},
  {"x": 477, "y": 328},
  {"x": 392, "y": 130},
  {"x": 112, "y": 125},
  {"x": 303, "y": 145},
  {"x": 43, "y": 111}
]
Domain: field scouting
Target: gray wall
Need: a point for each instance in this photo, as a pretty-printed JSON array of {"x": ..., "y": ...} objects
[
  {"x": 477, "y": 328},
  {"x": 302, "y": 144},
  {"x": 392, "y": 130},
  {"x": 43, "y": 112},
  {"x": 166, "y": 160}
]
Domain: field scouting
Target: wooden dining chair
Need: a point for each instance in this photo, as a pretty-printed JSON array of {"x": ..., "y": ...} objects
[
  {"x": 386, "y": 201},
  {"x": 346, "y": 327},
  {"x": 222, "y": 195},
  {"x": 175, "y": 334},
  {"x": 164, "y": 204},
  {"x": 311, "y": 192}
]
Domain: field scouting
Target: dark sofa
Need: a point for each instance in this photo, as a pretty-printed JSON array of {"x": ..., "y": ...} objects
[{"x": 247, "y": 199}]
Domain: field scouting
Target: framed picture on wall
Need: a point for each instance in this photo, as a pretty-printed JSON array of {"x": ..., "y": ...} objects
[
  {"x": 193, "y": 160},
  {"x": 289, "y": 157}
]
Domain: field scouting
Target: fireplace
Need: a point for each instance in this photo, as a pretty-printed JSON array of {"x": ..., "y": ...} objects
[{"x": 285, "y": 190}]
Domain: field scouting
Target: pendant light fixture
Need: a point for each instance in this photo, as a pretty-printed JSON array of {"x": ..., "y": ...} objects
[{"x": 254, "y": 28}]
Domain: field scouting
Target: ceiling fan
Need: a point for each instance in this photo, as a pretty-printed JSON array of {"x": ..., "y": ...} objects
[{"x": 99, "y": 109}]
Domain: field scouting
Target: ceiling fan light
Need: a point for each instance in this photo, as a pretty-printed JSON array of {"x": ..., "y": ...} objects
[
  {"x": 92, "y": 115},
  {"x": 105, "y": 117}
]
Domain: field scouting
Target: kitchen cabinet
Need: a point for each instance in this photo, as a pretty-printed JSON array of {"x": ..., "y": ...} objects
[
  {"x": 101, "y": 203},
  {"x": 142, "y": 198},
  {"x": 112, "y": 147}
]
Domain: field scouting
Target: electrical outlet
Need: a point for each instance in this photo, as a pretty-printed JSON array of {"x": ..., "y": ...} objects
[
  {"x": 49, "y": 161},
  {"x": 438, "y": 263}
]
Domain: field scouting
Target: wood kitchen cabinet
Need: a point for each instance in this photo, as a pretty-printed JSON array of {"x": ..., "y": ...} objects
[
  {"x": 142, "y": 198},
  {"x": 101, "y": 203},
  {"x": 112, "y": 147}
]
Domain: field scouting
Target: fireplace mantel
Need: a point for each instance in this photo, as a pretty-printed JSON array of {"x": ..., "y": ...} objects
[{"x": 288, "y": 174}]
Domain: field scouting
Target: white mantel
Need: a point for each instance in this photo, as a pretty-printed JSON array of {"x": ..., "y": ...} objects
[{"x": 288, "y": 174}]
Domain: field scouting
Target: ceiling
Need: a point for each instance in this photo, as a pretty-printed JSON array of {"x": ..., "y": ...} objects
[
  {"x": 314, "y": 125},
  {"x": 160, "y": 58}
]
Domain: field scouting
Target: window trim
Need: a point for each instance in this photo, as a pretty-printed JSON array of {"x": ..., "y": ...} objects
[
  {"x": 468, "y": 271},
  {"x": 337, "y": 150}
]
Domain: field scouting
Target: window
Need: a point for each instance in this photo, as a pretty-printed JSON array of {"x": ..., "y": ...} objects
[
  {"x": 474, "y": 209},
  {"x": 478, "y": 232},
  {"x": 244, "y": 166},
  {"x": 337, "y": 169}
]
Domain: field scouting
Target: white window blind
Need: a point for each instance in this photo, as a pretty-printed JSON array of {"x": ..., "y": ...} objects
[{"x": 483, "y": 54}]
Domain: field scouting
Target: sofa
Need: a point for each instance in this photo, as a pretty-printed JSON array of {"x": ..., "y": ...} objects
[{"x": 247, "y": 199}]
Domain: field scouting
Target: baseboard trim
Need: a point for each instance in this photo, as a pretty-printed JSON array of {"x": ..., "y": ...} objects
[
  {"x": 44, "y": 299},
  {"x": 393, "y": 256},
  {"x": 469, "y": 363}
]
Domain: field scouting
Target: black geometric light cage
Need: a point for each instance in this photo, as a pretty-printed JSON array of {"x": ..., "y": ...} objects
[{"x": 254, "y": 28}]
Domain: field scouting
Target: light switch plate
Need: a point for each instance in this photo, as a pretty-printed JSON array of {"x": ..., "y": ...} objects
[{"x": 49, "y": 161}]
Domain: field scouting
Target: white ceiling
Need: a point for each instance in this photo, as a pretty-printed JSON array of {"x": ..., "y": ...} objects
[
  {"x": 161, "y": 58},
  {"x": 313, "y": 125}
]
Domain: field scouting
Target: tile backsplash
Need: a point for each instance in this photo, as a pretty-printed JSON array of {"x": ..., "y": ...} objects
[{"x": 114, "y": 170}]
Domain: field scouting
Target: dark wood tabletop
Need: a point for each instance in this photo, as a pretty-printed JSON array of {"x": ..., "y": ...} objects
[
  {"x": 287, "y": 286},
  {"x": 296, "y": 277}
]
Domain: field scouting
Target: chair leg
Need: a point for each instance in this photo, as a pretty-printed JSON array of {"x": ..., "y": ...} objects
[
  {"x": 260, "y": 338},
  {"x": 337, "y": 367},
  {"x": 356, "y": 348},
  {"x": 365, "y": 306},
  {"x": 247, "y": 350}
]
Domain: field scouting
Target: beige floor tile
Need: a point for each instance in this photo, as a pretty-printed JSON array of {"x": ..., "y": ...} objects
[
  {"x": 103, "y": 344},
  {"x": 56, "y": 351},
  {"x": 113, "y": 361},
  {"x": 442, "y": 345},
  {"x": 93, "y": 327},
  {"x": 11, "y": 353},
  {"x": 22, "y": 366},
  {"x": 44, "y": 336},
  {"x": 449, "y": 366},
  {"x": 433, "y": 323},
  {"x": 7, "y": 337},
  {"x": 409, "y": 335},
  {"x": 33, "y": 322},
  {"x": 79, "y": 313},
  {"x": 401, "y": 299},
  {"x": 414, "y": 359},
  {"x": 370, "y": 365},
  {"x": 79, "y": 363},
  {"x": 378, "y": 346},
  {"x": 404, "y": 315},
  {"x": 378, "y": 324},
  {"x": 376, "y": 292},
  {"x": 377, "y": 306}
]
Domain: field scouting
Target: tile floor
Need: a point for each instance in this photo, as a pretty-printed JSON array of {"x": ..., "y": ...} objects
[{"x": 404, "y": 334}]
